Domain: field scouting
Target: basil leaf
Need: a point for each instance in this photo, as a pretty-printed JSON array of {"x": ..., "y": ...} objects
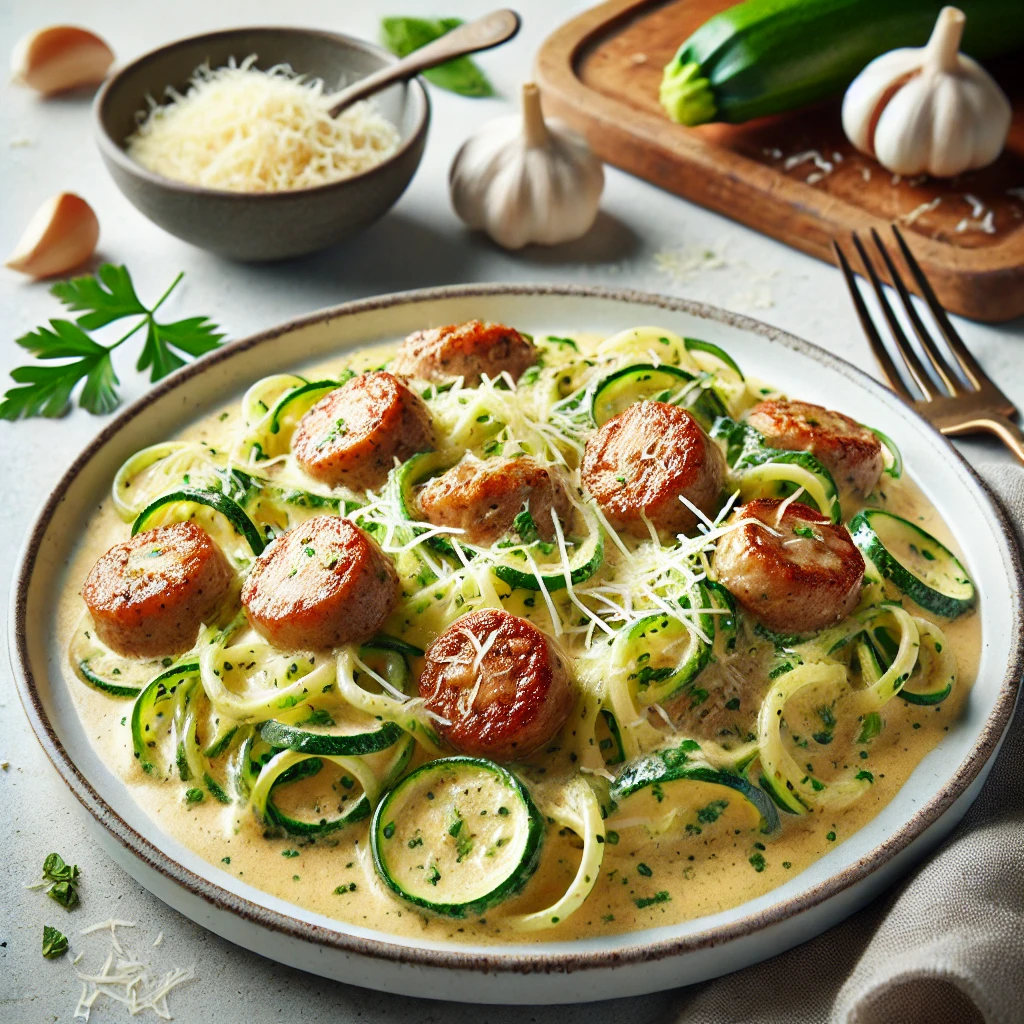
[{"x": 403, "y": 36}]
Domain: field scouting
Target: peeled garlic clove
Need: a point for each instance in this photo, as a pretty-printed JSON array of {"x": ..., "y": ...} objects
[
  {"x": 61, "y": 235},
  {"x": 61, "y": 57}
]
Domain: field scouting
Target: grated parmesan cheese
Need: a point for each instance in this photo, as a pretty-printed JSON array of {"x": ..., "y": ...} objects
[
  {"x": 241, "y": 129},
  {"x": 125, "y": 980}
]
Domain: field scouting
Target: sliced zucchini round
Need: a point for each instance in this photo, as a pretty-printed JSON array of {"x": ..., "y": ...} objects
[
  {"x": 185, "y": 496},
  {"x": 655, "y": 789},
  {"x": 895, "y": 466},
  {"x": 300, "y": 400},
  {"x": 457, "y": 836},
  {"x": 413, "y": 473},
  {"x": 698, "y": 345},
  {"x": 321, "y": 726},
  {"x": 663, "y": 654},
  {"x": 584, "y": 559},
  {"x": 292, "y": 791},
  {"x": 285, "y": 796},
  {"x": 780, "y": 474},
  {"x": 647, "y": 382},
  {"x": 339, "y": 730},
  {"x": 922, "y": 567}
]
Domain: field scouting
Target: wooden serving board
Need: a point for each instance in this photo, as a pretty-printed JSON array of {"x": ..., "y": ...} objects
[{"x": 794, "y": 177}]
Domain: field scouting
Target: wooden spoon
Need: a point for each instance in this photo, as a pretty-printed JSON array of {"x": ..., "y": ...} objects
[{"x": 489, "y": 31}]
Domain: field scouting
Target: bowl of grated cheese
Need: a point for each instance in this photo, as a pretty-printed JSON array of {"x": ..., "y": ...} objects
[{"x": 224, "y": 140}]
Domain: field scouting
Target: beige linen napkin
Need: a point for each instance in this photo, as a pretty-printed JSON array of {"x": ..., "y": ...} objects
[{"x": 946, "y": 946}]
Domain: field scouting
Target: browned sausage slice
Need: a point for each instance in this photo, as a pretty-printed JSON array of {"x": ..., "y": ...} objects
[
  {"x": 148, "y": 596},
  {"x": 850, "y": 452},
  {"x": 322, "y": 584},
  {"x": 482, "y": 497},
  {"x": 798, "y": 575},
  {"x": 641, "y": 462},
  {"x": 499, "y": 682},
  {"x": 352, "y": 436},
  {"x": 467, "y": 350}
]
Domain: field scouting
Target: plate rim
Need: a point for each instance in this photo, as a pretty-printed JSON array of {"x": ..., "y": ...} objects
[{"x": 532, "y": 958}]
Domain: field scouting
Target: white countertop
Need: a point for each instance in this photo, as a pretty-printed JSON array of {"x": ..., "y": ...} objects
[{"x": 644, "y": 239}]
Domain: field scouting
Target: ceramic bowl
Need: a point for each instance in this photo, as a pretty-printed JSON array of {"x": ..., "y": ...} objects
[
  {"x": 269, "y": 225},
  {"x": 919, "y": 816}
]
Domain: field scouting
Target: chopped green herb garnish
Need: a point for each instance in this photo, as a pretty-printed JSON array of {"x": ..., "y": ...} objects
[
  {"x": 65, "y": 894},
  {"x": 713, "y": 811},
  {"x": 55, "y": 943},
  {"x": 55, "y": 870},
  {"x": 648, "y": 901}
]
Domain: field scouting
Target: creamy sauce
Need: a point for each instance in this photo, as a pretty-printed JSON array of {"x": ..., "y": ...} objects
[{"x": 645, "y": 882}]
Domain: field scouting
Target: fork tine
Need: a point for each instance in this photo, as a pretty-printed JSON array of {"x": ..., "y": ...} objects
[
  {"x": 903, "y": 346},
  {"x": 889, "y": 370},
  {"x": 935, "y": 357},
  {"x": 974, "y": 373}
]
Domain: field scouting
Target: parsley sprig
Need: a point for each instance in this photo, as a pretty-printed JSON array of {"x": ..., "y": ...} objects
[{"x": 46, "y": 390}]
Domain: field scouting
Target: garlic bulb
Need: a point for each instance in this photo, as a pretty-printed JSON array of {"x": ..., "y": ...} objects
[
  {"x": 525, "y": 180},
  {"x": 62, "y": 57},
  {"x": 928, "y": 109},
  {"x": 61, "y": 235}
]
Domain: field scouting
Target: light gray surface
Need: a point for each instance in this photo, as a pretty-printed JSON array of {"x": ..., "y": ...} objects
[{"x": 48, "y": 147}]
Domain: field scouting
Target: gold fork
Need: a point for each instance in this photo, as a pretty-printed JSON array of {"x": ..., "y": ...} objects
[{"x": 951, "y": 403}]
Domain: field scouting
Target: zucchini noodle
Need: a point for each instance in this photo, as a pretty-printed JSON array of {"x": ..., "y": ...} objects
[
  {"x": 676, "y": 686},
  {"x": 576, "y": 808}
]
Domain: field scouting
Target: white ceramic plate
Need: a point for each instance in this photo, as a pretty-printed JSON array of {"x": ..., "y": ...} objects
[{"x": 930, "y": 804}]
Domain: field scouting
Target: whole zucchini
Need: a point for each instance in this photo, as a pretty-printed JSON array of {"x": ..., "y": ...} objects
[{"x": 768, "y": 56}]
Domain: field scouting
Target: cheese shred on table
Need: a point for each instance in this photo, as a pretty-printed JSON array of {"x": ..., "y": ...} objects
[{"x": 241, "y": 129}]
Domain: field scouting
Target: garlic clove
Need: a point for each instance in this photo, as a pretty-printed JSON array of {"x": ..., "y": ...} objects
[
  {"x": 62, "y": 57},
  {"x": 61, "y": 235}
]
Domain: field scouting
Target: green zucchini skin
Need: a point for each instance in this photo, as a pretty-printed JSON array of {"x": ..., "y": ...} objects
[
  {"x": 684, "y": 763},
  {"x": 930, "y": 596},
  {"x": 505, "y": 887},
  {"x": 765, "y": 57},
  {"x": 308, "y": 741},
  {"x": 97, "y": 682},
  {"x": 644, "y": 381},
  {"x": 231, "y": 511}
]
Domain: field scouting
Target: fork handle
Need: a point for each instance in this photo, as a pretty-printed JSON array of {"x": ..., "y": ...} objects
[{"x": 1006, "y": 430}]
